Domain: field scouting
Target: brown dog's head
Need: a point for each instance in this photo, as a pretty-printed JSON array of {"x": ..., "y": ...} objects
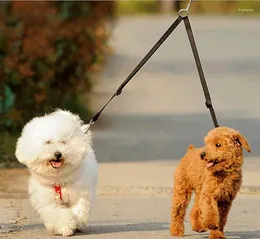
[{"x": 224, "y": 149}]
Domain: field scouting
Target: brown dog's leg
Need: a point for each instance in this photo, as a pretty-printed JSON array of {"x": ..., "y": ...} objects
[
  {"x": 209, "y": 209},
  {"x": 180, "y": 200},
  {"x": 195, "y": 216},
  {"x": 224, "y": 208}
]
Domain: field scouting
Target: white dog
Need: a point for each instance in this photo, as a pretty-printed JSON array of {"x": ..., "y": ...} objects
[{"x": 58, "y": 152}]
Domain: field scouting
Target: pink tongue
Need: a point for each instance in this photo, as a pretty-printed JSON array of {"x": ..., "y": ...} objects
[
  {"x": 56, "y": 164},
  {"x": 210, "y": 164}
]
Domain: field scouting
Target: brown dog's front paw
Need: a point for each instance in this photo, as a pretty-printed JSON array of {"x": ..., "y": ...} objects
[
  {"x": 197, "y": 226},
  {"x": 212, "y": 227},
  {"x": 199, "y": 229},
  {"x": 211, "y": 224},
  {"x": 177, "y": 231},
  {"x": 216, "y": 235}
]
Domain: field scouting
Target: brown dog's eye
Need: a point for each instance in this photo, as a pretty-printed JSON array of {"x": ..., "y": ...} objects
[{"x": 218, "y": 145}]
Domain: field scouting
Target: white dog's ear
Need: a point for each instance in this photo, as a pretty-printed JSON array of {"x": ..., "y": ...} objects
[{"x": 19, "y": 151}]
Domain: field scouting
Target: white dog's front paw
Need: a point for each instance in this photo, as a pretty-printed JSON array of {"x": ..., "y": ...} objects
[
  {"x": 64, "y": 223},
  {"x": 81, "y": 212},
  {"x": 65, "y": 232}
]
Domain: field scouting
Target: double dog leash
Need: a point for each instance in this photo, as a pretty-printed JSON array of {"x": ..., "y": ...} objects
[{"x": 183, "y": 15}]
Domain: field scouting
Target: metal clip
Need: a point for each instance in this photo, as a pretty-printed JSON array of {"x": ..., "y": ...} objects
[
  {"x": 89, "y": 125},
  {"x": 185, "y": 12}
]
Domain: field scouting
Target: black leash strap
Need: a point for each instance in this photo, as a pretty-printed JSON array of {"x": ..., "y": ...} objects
[
  {"x": 183, "y": 15},
  {"x": 140, "y": 65},
  {"x": 200, "y": 70}
]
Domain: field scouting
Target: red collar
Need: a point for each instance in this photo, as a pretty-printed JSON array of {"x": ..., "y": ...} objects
[{"x": 58, "y": 190}]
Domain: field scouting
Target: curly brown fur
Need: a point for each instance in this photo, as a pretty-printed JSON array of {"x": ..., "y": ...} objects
[{"x": 214, "y": 172}]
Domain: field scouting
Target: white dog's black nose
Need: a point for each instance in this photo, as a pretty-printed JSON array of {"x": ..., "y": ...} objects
[{"x": 57, "y": 155}]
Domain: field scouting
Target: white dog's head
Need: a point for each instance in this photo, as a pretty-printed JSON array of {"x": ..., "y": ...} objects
[{"x": 53, "y": 145}]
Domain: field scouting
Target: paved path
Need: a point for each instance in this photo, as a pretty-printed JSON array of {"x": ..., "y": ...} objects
[
  {"x": 138, "y": 217},
  {"x": 141, "y": 136},
  {"x": 133, "y": 201}
]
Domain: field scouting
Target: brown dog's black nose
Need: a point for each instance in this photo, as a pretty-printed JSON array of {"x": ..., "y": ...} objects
[
  {"x": 57, "y": 155},
  {"x": 202, "y": 155}
]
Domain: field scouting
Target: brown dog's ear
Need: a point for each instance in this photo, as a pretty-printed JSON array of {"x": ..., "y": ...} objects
[{"x": 243, "y": 142}]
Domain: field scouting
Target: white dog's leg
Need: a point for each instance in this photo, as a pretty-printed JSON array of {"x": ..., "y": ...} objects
[
  {"x": 81, "y": 211},
  {"x": 58, "y": 220}
]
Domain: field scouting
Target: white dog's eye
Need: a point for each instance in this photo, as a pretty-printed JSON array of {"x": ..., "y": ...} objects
[
  {"x": 63, "y": 142},
  {"x": 48, "y": 142}
]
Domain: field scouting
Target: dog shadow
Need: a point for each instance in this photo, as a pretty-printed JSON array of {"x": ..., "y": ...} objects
[
  {"x": 104, "y": 228},
  {"x": 36, "y": 226},
  {"x": 230, "y": 235},
  {"x": 128, "y": 227},
  {"x": 7, "y": 227},
  {"x": 243, "y": 234}
]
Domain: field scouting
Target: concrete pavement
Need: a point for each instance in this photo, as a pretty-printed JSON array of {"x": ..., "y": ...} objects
[
  {"x": 133, "y": 201},
  {"x": 132, "y": 218}
]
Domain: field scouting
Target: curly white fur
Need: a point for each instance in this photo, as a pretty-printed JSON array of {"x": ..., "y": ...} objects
[{"x": 63, "y": 132}]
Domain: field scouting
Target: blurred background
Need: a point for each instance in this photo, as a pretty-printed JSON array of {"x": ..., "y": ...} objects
[{"x": 73, "y": 55}]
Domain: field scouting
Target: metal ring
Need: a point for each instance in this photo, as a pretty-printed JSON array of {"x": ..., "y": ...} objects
[
  {"x": 89, "y": 125},
  {"x": 183, "y": 13},
  {"x": 91, "y": 122}
]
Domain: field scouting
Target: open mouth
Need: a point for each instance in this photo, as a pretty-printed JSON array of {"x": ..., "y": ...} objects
[
  {"x": 212, "y": 164},
  {"x": 56, "y": 163}
]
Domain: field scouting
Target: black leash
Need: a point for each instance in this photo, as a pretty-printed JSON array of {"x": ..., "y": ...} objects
[
  {"x": 200, "y": 70},
  {"x": 139, "y": 66},
  {"x": 183, "y": 15}
]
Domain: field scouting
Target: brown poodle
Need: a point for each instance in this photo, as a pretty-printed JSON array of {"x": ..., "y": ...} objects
[{"x": 214, "y": 172}]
